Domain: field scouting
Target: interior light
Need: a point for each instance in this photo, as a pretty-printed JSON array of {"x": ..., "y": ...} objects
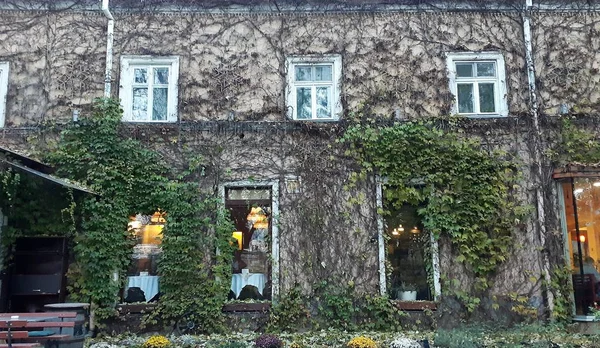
[
  {"x": 578, "y": 191},
  {"x": 415, "y": 230},
  {"x": 237, "y": 235},
  {"x": 596, "y": 184},
  {"x": 582, "y": 238},
  {"x": 395, "y": 232}
]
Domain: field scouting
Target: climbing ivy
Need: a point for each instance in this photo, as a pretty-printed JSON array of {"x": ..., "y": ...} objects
[
  {"x": 130, "y": 179},
  {"x": 574, "y": 144},
  {"x": 465, "y": 191}
]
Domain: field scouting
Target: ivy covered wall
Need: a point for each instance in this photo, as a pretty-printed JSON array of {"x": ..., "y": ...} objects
[{"x": 232, "y": 69}]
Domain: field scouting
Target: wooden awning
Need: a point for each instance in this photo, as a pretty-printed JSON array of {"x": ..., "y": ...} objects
[{"x": 577, "y": 171}]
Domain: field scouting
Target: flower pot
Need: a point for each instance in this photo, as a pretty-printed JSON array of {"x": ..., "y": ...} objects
[{"x": 407, "y": 295}]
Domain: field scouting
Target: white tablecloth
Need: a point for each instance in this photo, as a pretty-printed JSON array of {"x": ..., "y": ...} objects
[
  {"x": 148, "y": 284},
  {"x": 238, "y": 281}
]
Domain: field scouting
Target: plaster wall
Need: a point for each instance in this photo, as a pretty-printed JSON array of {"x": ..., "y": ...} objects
[
  {"x": 567, "y": 55},
  {"x": 236, "y": 63}
]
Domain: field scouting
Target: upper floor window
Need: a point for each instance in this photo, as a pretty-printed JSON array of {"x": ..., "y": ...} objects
[
  {"x": 313, "y": 87},
  {"x": 3, "y": 91},
  {"x": 478, "y": 83},
  {"x": 149, "y": 88}
]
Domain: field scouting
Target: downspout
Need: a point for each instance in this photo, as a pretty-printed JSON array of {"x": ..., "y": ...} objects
[
  {"x": 537, "y": 151},
  {"x": 109, "y": 48},
  {"x": 107, "y": 82}
]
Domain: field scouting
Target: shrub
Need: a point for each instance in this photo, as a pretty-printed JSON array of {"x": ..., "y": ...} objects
[
  {"x": 157, "y": 341},
  {"x": 268, "y": 341},
  {"x": 456, "y": 339},
  {"x": 404, "y": 342},
  {"x": 233, "y": 344},
  {"x": 296, "y": 345},
  {"x": 361, "y": 342}
]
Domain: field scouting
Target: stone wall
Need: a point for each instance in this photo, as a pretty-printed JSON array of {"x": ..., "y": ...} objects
[{"x": 233, "y": 66}]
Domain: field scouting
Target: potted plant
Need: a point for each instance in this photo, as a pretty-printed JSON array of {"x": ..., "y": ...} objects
[{"x": 407, "y": 292}]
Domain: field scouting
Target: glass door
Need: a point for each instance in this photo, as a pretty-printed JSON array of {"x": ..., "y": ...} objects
[{"x": 582, "y": 214}]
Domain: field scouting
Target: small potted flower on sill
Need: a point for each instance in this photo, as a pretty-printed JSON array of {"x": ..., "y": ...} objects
[{"x": 407, "y": 292}]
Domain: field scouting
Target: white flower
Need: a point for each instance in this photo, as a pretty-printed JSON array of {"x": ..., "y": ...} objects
[{"x": 404, "y": 342}]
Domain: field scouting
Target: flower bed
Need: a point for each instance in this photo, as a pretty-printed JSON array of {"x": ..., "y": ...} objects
[{"x": 526, "y": 336}]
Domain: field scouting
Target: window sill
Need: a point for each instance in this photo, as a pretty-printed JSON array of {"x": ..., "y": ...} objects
[
  {"x": 584, "y": 318},
  {"x": 127, "y": 121},
  {"x": 316, "y": 120},
  {"x": 246, "y": 307},
  {"x": 415, "y": 305},
  {"x": 128, "y": 308},
  {"x": 483, "y": 115}
]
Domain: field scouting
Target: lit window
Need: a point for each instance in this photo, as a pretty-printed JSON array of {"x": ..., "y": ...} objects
[
  {"x": 313, "y": 87},
  {"x": 3, "y": 91},
  {"x": 149, "y": 88},
  {"x": 478, "y": 83},
  {"x": 408, "y": 249},
  {"x": 142, "y": 275},
  {"x": 250, "y": 211}
]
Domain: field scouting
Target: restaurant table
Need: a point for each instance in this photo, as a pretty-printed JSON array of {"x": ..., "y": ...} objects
[
  {"x": 148, "y": 284},
  {"x": 240, "y": 280}
]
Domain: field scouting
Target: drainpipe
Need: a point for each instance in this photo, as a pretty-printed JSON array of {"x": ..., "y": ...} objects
[
  {"x": 537, "y": 151},
  {"x": 107, "y": 81},
  {"x": 109, "y": 48}
]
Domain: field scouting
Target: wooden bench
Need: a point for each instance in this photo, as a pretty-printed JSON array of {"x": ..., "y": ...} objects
[
  {"x": 10, "y": 334},
  {"x": 67, "y": 332}
]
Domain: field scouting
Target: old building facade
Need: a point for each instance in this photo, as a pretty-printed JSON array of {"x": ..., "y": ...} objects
[{"x": 261, "y": 89}]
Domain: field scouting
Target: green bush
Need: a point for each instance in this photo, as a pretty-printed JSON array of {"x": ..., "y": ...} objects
[
  {"x": 455, "y": 339},
  {"x": 233, "y": 344}
]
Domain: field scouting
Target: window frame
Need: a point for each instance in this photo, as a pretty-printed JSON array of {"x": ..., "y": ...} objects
[
  {"x": 336, "y": 79},
  {"x": 499, "y": 81},
  {"x": 4, "y": 71},
  {"x": 128, "y": 65}
]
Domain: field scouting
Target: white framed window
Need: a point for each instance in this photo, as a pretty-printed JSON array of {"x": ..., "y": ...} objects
[
  {"x": 313, "y": 87},
  {"x": 3, "y": 91},
  {"x": 478, "y": 83},
  {"x": 148, "y": 88}
]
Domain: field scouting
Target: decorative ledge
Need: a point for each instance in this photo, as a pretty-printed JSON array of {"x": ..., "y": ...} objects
[
  {"x": 416, "y": 305},
  {"x": 246, "y": 307}
]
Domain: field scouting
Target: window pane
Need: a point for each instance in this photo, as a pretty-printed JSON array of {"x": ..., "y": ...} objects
[
  {"x": 464, "y": 69},
  {"x": 140, "y": 103},
  {"x": 248, "y": 194},
  {"x": 323, "y": 73},
  {"x": 323, "y": 102},
  {"x": 141, "y": 75},
  {"x": 303, "y": 102},
  {"x": 486, "y": 69},
  {"x": 486, "y": 97},
  {"x": 303, "y": 73},
  {"x": 161, "y": 76},
  {"x": 406, "y": 246},
  {"x": 465, "y": 98},
  {"x": 159, "y": 104}
]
